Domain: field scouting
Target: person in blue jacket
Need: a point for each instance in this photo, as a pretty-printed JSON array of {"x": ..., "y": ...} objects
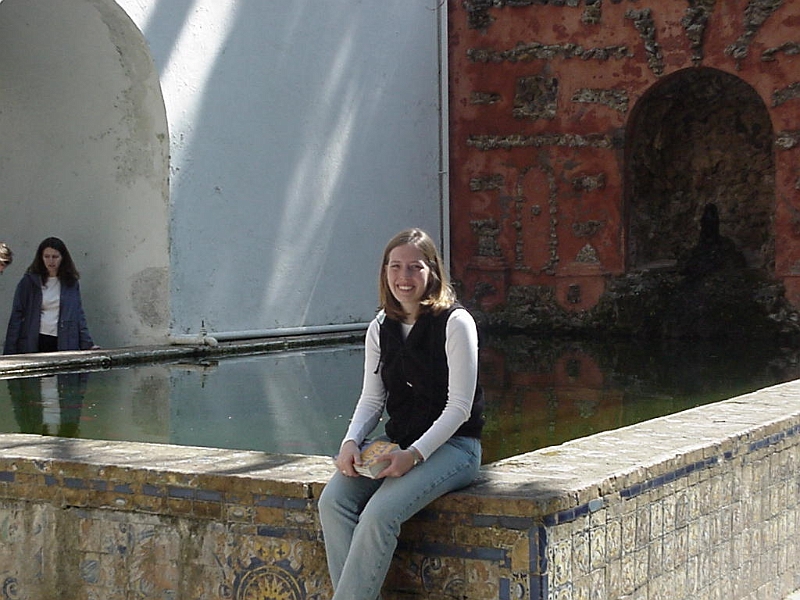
[{"x": 47, "y": 314}]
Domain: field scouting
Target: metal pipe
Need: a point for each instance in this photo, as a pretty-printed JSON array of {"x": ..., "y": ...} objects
[{"x": 444, "y": 131}]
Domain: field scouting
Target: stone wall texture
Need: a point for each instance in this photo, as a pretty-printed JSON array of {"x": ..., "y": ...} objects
[
  {"x": 587, "y": 136},
  {"x": 699, "y": 505}
]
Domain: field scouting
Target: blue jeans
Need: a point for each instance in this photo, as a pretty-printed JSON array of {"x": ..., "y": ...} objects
[{"x": 361, "y": 517}]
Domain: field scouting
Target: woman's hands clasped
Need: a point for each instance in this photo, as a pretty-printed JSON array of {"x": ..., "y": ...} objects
[{"x": 400, "y": 461}]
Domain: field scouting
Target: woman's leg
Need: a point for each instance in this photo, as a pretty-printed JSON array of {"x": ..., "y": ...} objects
[
  {"x": 362, "y": 567},
  {"x": 340, "y": 505}
]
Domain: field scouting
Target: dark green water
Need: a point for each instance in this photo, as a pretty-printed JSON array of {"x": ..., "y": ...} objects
[{"x": 538, "y": 394}]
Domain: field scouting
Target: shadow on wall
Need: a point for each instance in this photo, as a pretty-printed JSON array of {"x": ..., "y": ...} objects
[{"x": 330, "y": 148}]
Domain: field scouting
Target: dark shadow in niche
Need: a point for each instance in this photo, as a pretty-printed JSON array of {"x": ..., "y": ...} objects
[
  {"x": 699, "y": 137},
  {"x": 713, "y": 251},
  {"x": 715, "y": 294},
  {"x": 709, "y": 293}
]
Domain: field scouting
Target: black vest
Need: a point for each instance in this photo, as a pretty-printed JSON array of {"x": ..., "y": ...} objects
[{"x": 415, "y": 374}]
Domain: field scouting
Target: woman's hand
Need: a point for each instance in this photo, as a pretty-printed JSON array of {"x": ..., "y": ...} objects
[
  {"x": 400, "y": 463},
  {"x": 348, "y": 455}
]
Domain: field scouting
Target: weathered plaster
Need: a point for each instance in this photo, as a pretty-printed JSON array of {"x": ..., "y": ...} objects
[
  {"x": 570, "y": 83},
  {"x": 149, "y": 288}
]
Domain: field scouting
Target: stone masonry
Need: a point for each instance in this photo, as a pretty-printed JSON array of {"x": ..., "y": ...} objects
[
  {"x": 698, "y": 505},
  {"x": 587, "y": 136}
]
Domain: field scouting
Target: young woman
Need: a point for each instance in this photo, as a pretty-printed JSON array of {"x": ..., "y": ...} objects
[
  {"x": 421, "y": 365},
  {"x": 47, "y": 314}
]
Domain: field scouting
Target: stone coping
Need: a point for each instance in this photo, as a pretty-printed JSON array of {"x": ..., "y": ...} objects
[
  {"x": 651, "y": 453},
  {"x": 15, "y": 365},
  {"x": 552, "y": 482}
]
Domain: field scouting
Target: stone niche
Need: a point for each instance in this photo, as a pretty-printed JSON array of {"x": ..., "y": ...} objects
[{"x": 700, "y": 136}]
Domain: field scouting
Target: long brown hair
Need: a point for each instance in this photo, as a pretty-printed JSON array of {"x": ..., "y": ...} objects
[
  {"x": 439, "y": 295},
  {"x": 67, "y": 272}
]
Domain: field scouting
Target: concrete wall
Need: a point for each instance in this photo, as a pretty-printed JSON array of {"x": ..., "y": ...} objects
[
  {"x": 698, "y": 505},
  {"x": 234, "y": 164}
]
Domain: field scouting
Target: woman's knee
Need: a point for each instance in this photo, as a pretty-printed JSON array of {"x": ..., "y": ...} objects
[
  {"x": 328, "y": 502},
  {"x": 340, "y": 496},
  {"x": 374, "y": 518}
]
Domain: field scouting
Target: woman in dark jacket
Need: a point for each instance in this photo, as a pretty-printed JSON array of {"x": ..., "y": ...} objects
[{"x": 47, "y": 314}]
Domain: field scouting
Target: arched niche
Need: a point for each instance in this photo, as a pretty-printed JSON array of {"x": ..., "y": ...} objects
[
  {"x": 699, "y": 136},
  {"x": 84, "y": 156}
]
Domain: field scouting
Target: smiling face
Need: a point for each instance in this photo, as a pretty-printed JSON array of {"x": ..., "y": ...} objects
[
  {"x": 52, "y": 261},
  {"x": 407, "y": 275}
]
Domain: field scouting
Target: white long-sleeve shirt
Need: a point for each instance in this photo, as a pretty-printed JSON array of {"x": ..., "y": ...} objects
[
  {"x": 461, "y": 348},
  {"x": 51, "y": 300}
]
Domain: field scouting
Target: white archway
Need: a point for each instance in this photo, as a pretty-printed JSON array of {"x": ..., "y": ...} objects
[{"x": 84, "y": 156}]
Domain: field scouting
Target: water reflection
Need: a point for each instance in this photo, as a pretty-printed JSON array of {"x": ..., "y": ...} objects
[
  {"x": 544, "y": 393},
  {"x": 49, "y": 405},
  {"x": 539, "y": 393},
  {"x": 296, "y": 402}
]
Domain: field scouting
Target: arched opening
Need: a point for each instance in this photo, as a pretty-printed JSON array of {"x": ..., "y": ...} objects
[
  {"x": 699, "y": 207},
  {"x": 701, "y": 136},
  {"x": 84, "y": 156}
]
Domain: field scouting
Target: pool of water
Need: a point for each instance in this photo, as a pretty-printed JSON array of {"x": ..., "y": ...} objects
[{"x": 539, "y": 393}]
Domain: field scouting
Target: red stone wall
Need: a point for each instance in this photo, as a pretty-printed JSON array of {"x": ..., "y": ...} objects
[{"x": 542, "y": 95}]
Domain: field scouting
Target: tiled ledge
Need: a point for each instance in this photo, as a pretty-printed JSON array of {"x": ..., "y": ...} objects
[
  {"x": 559, "y": 522},
  {"x": 627, "y": 460}
]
